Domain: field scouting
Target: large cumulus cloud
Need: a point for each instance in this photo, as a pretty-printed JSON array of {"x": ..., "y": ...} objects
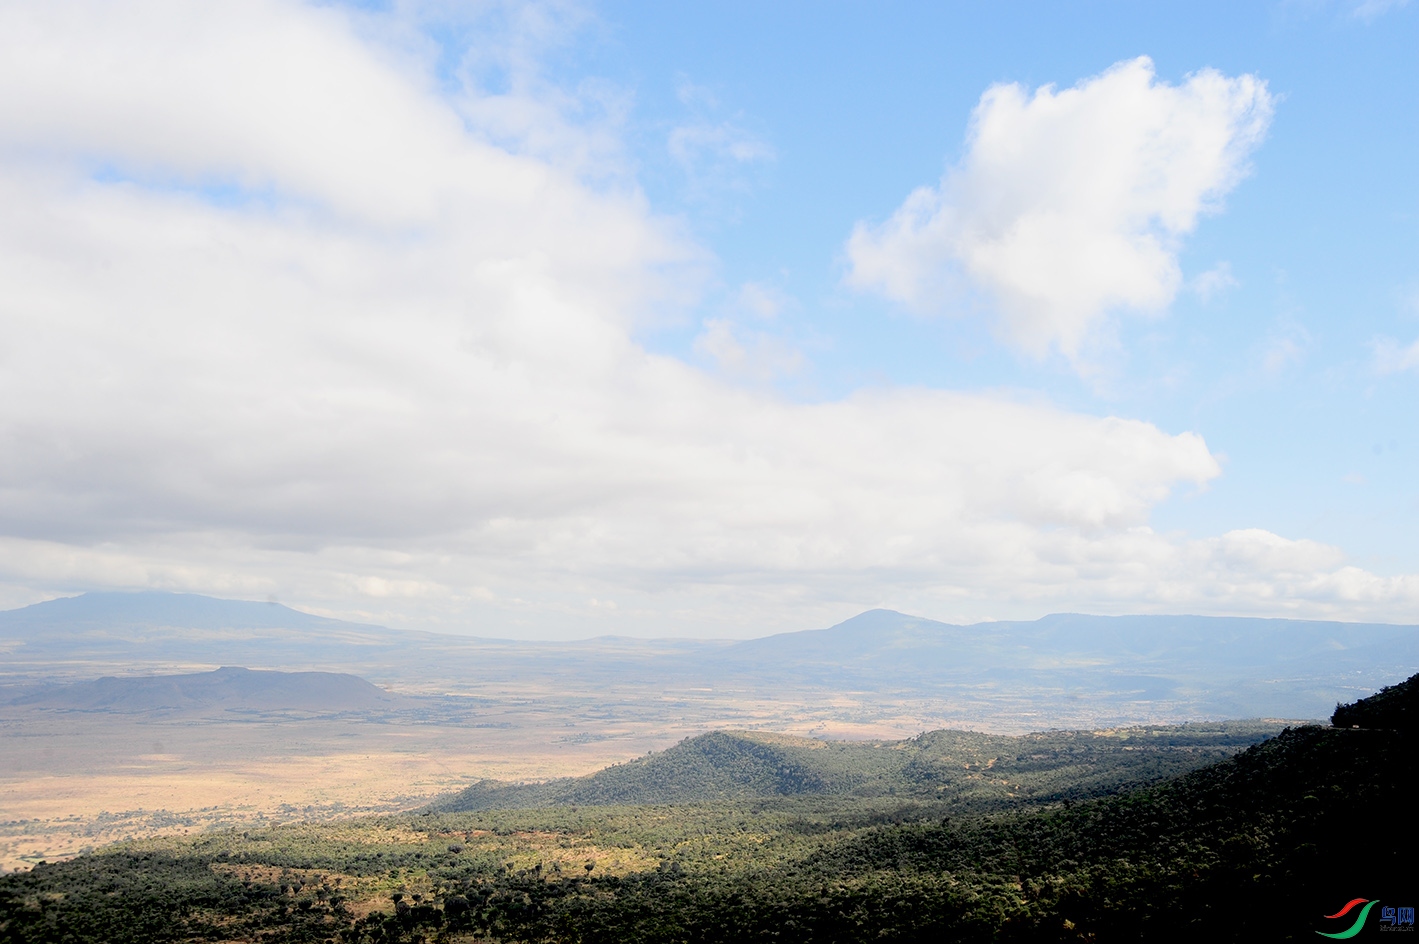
[
  {"x": 1069, "y": 205},
  {"x": 283, "y": 318}
]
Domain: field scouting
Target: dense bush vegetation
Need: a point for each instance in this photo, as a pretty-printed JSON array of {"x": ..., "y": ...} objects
[
  {"x": 736, "y": 765},
  {"x": 1395, "y": 707}
]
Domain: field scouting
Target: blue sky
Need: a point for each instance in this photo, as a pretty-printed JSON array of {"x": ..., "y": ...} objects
[
  {"x": 861, "y": 105},
  {"x": 559, "y": 319},
  {"x": 1321, "y": 239}
]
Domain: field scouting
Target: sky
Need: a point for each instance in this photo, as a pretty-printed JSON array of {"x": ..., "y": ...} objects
[{"x": 556, "y": 320}]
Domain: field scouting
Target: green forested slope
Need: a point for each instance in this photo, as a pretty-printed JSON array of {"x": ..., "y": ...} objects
[
  {"x": 941, "y": 765},
  {"x": 1395, "y": 707}
]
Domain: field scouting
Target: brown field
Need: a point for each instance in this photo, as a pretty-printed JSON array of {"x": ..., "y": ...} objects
[{"x": 75, "y": 792}]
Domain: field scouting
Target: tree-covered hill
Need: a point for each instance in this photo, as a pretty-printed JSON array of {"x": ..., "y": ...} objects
[
  {"x": 1395, "y": 707},
  {"x": 938, "y": 765}
]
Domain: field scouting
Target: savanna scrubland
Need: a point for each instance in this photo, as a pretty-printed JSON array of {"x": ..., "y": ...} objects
[
  {"x": 82, "y": 764},
  {"x": 1139, "y": 834}
]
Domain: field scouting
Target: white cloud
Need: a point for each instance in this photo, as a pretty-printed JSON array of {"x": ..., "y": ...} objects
[
  {"x": 1216, "y": 281},
  {"x": 697, "y": 144},
  {"x": 1287, "y": 344},
  {"x": 1409, "y": 301},
  {"x": 280, "y": 321},
  {"x": 1280, "y": 353},
  {"x": 1370, "y": 10},
  {"x": 1301, "y": 576},
  {"x": 1069, "y": 204},
  {"x": 747, "y": 353},
  {"x": 756, "y": 355},
  {"x": 764, "y": 301},
  {"x": 714, "y": 152},
  {"x": 1392, "y": 358}
]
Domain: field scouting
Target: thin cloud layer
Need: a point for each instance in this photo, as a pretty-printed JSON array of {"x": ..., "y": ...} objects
[
  {"x": 280, "y": 320},
  {"x": 1391, "y": 357},
  {"x": 1069, "y": 205}
]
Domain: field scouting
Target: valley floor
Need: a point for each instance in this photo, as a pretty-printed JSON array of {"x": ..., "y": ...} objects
[
  {"x": 1251, "y": 848},
  {"x": 72, "y": 780}
]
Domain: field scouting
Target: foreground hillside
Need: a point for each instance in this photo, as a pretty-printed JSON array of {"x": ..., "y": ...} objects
[{"x": 1259, "y": 846}]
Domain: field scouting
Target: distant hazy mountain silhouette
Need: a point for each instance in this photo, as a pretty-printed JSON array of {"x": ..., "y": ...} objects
[
  {"x": 228, "y": 688},
  {"x": 887, "y": 641},
  {"x": 182, "y": 628},
  {"x": 1060, "y": 666},
  {"x": 155, "y": 608},
  {"x": 873, "y": 642}
]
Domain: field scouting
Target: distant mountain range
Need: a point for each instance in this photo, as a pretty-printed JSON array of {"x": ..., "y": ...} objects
[
  {"x": 154, "y": 627},
  {"x": 121, "y": 614},
  {"x": 1186, "y": 666},
  {"x": 1155, "y": 654}
]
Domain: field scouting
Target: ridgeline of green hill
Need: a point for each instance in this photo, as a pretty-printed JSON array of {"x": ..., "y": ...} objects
[
  {"x": 950, "y": 766},
  {"x": 798, "y": 844},
  {"x": 1394, "y": 707}
]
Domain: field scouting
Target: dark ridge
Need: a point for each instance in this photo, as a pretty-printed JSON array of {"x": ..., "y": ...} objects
[{"x": 1394, "y": 706}]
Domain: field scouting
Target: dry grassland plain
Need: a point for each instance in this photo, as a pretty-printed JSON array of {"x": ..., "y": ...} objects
[{"x": 72, "y": 781}]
